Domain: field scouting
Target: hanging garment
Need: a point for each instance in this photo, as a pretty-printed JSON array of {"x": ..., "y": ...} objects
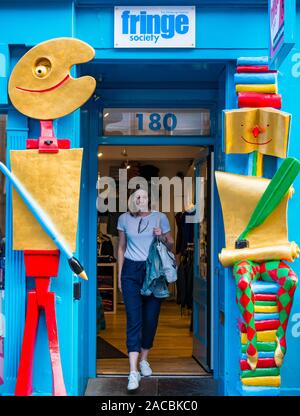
[
  {"x": 179, "y": 232},
  {"x": 112, "y": 222},
  {"x": 190, "y": 281},
  {"x": 180, "y": 283},
  {"x": 105, "y": 249},
  {"x": 149, "y": 171},
  {"x": 168, "y": 261},
  {"x": 187, "y": 230},
  {"x": 185, "y": 280},
  {"x": 100, "y": 314}
]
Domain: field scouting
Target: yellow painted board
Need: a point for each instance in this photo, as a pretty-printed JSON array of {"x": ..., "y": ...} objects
[
  {"x": 34, "y": 81},
  {"x": 239, "y": 196},
  {"x": 267, "y": 336},
  {"x": 273, "y": 381},
  {"x": 288, "y": 251},
  {"x": 264, "y": 88},
  {"x": 265, "y": 309},
  {"x": 274, "y": 127},
  {"x": 53, "y": 180}
]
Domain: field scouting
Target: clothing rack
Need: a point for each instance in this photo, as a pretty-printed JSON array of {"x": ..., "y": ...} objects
[{"x": 190, "y": 247}]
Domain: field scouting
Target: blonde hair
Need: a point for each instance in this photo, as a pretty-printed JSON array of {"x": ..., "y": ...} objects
[{"x": 132, "y": 212}]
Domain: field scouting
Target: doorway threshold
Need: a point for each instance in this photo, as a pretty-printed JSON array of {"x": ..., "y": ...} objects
[
  {"x": 106, "y": 386},
  {"x": 160, "y": 376},
  {"x": 162, "y": 365}
]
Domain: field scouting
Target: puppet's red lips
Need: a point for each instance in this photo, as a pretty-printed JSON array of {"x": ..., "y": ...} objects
[
  {"x": 257, "y": 143},
  {"x": 48, "y": 89}
]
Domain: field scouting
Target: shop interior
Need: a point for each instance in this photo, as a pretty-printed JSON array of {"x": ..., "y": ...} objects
[{"x": 175, "y": 350}]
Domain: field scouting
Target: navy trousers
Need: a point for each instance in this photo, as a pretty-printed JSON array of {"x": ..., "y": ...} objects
[{"x": 142, "y": 311}]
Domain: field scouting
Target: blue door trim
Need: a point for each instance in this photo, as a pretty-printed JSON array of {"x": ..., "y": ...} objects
[
  {"x": 155, "y": 141},
  {"x": 95, "y": 139}
]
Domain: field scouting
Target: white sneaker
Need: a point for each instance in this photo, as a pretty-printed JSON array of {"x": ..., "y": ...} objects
[
  {"x": 133, "y": 380},
  {"x": 145, "y": 368}
]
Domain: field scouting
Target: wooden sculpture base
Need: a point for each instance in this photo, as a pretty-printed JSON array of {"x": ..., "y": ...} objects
[{"x": 40, "y": 264}]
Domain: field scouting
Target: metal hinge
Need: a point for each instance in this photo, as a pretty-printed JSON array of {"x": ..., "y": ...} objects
[{"x": 77, "y": 291}]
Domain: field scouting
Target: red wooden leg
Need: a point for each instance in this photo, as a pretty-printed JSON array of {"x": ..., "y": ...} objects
[
  {"x": 57, "y": 375},
  {"x": 24, "y": 379},
  {"x": 40, "y": 264}
]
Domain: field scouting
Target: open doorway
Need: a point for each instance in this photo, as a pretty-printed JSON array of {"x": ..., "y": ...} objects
[{"x": 182, "y": 341}]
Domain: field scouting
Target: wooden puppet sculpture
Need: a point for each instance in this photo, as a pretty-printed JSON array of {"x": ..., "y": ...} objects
[
  {"x": 46, "y": 180},
  {"x": 255, "y": 221}
]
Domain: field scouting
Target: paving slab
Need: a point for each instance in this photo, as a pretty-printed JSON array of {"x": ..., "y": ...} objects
[{"x": 153, "y": 386}]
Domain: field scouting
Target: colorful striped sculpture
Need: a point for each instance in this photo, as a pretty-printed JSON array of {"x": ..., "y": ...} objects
[{"x": 265, "y": 285}]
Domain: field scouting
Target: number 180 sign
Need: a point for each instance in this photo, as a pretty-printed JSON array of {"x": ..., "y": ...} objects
[{"x": 156, "y": 122}]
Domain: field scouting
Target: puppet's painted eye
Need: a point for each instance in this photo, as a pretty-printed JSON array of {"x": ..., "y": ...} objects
[
  {"x": 242, "y": 125},
  {"x": 42, "y": 68}
]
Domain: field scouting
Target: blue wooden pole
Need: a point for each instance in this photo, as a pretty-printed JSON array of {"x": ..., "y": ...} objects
[{"x": 43, "y": 220}]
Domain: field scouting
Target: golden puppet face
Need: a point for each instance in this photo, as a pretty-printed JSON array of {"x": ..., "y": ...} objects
[
  {"x": 265, "y": 130},
  {"x": 41, "y": 86}
]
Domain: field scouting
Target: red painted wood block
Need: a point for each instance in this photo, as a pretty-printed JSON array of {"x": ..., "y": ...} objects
[
  {"x": 265, "y": 296},
  {"x": 256, "y": 99},
  {"x": 261, "y": 363},
  {"x": 40, "y": 298},
  {"x": 57, "y": 374},
  {"x": 263, "y": 325},
  {"x": 24, "y": 379},
  {"x": 47, "y": 142},
  {"x": 34, "y": 144},
  {"x": 254, "y": 68},
  {"x": 41, "y": 263}
]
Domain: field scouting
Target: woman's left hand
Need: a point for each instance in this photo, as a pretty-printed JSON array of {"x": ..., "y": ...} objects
[{"x": 157, "y": 231}]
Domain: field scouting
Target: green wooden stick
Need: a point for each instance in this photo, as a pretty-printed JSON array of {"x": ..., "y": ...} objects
[
  {"x": 273, "y": 195},
  {"x": 254, "y": 164}
]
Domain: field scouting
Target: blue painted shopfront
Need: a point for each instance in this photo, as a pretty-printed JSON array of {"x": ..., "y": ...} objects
[{"x": 200, "y": 76}]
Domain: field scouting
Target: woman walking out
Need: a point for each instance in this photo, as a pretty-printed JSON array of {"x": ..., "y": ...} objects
[{"x": 137, "y": 229}]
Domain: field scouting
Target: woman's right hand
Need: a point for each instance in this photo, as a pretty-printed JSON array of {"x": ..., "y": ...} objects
[{"x": 120, "y": 285}]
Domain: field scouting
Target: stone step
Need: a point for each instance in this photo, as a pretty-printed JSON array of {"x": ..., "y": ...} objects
[{"x": 153, "y": 386}]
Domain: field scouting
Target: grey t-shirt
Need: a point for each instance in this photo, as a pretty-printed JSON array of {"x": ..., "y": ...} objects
[{"x": 139, "y": 232}]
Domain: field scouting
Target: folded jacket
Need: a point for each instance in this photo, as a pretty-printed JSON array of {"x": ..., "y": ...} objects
[{"x": 155, "y": 281}]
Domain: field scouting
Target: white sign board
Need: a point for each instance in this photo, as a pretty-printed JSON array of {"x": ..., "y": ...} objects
[
  {"x": 156, "y": 122},
  {"x": 154, "y": 27}
]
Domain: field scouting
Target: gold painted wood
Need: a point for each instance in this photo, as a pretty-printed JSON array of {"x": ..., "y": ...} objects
[
  {"x": 273, "y": 126},
  {"x": 288, "y": 252},
  {"x": 41, "y": 86},
  {"x": 53, "y": 180},
  {"x": 239, "y": 196}
]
